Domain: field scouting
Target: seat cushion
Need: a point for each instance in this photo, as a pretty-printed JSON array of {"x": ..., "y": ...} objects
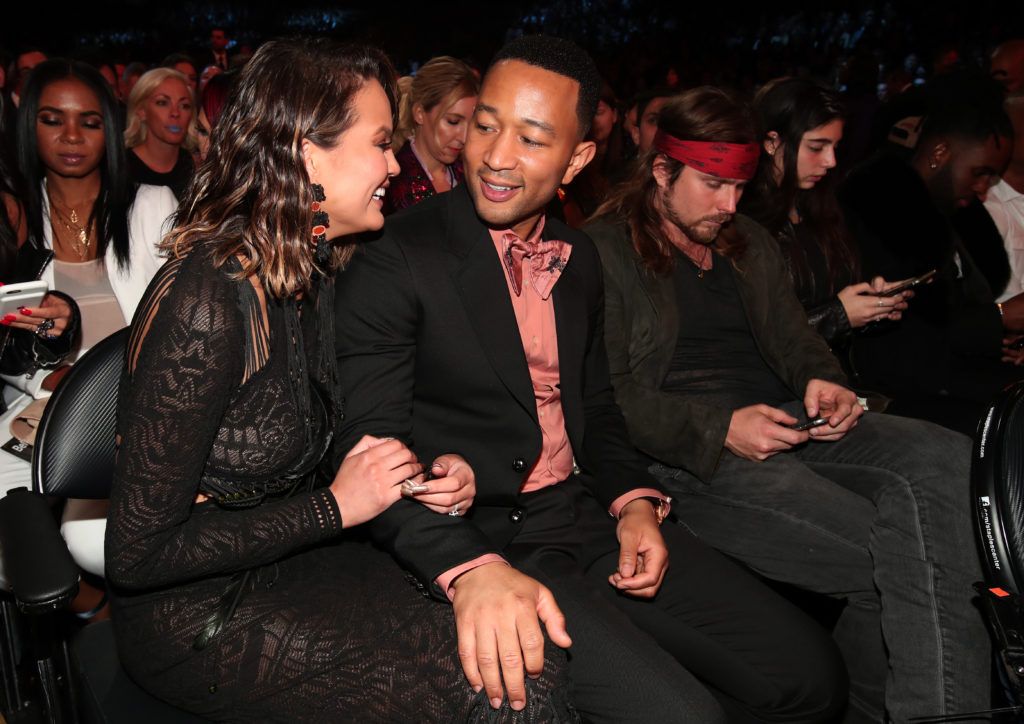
[{"x": 108, "y": 695}]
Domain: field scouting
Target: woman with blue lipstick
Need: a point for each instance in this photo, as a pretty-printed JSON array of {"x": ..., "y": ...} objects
[{"x": 161, "y": 130}]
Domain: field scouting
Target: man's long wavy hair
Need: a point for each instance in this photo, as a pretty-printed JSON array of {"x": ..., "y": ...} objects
[
  {"x": 251, "y": 196},
  {"x": 700, "y": 114}
]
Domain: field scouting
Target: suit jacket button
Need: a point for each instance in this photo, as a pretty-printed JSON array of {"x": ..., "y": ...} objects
[
  {"x": 519, "y": 465},
  {"x": 517, "y": 515}
]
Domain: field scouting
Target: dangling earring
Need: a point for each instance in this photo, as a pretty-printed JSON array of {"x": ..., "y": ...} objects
[{"x": 320, "y": 224}]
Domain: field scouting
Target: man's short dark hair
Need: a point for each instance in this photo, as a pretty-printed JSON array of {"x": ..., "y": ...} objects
[
  {"x": 174, "y": 58},
  {"x": 133, "y": 68},
  {"x": 967, "y": 105},
  {"x": 565, "y": 58}
]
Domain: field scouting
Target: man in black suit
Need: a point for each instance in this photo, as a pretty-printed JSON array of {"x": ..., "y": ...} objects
[
  {"x": 475, "y": 324},
  {"x": 219, "y": 42}
]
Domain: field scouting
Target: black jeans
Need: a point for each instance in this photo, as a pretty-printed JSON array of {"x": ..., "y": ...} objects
[
  {"x": 715, "y": 644},
  {"x": 880, "y": 519}
]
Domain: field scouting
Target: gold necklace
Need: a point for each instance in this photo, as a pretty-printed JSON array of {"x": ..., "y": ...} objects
[{"x": 80, "y": 237}]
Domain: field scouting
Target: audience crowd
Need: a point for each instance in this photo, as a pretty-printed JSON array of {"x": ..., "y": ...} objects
[{"x": 531, "y": 329}]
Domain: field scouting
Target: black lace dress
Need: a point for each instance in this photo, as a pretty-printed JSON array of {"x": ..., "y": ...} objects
[{"x": 252, "y": 605}]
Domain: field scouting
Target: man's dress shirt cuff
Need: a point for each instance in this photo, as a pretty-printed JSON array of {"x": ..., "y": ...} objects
[
  {"x": 444, "y": 581},
  {"x": 626, "y": 498}
]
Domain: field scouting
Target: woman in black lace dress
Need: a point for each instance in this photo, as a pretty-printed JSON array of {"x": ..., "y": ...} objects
[
  {"x": 792, "y": 196},
  {"x": 236, "y": 593}
]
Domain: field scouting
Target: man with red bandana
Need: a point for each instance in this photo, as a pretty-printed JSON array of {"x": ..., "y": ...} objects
[{"x": 750, "y": 422}]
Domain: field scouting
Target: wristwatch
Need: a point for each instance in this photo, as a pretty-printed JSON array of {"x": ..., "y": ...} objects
[{"x": 661, "y": 508}]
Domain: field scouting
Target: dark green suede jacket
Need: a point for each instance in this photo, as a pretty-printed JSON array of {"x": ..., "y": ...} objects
[{"x": 642, "y": 324}]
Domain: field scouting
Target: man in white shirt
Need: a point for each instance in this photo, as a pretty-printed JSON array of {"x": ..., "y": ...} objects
[{"x": 1005, "y": 203}]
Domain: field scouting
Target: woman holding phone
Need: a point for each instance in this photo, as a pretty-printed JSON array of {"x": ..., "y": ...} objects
[
  {"x": 89, "y": 235},
  {"x": 78, "y": 202},
  {"x": 792, "y": 196}
]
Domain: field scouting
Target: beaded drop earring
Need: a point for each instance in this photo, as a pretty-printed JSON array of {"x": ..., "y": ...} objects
[{"x": 320, "y": 224}]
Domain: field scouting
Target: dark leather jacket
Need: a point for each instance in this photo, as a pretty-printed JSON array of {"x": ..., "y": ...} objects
[
  {"x": 642, "y": 323},
  {"x": 824, "y": 311}
]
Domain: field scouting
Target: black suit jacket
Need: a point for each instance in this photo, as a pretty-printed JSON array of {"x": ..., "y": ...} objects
[{"x": 429, "y": 352}]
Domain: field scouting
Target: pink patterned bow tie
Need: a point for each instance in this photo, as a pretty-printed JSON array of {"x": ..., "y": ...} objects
[{"x": 541, "y": 261}]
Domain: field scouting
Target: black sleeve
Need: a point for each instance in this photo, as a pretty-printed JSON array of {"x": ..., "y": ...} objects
[
  {"x": 189, "y": 364},
  {"x": 830, "y": 321},
  {"x": 617, "y": 468},
  {"x": 377, "y": 319}
]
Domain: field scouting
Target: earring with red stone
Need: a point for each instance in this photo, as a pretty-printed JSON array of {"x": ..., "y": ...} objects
[{"x": 320, "y": 224}]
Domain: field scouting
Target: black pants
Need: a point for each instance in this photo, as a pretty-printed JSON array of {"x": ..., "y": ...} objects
[{"x": 715, "y": 644}]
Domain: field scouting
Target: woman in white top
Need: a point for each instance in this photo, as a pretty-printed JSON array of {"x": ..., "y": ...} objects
[{"x": 102, "y": 232}]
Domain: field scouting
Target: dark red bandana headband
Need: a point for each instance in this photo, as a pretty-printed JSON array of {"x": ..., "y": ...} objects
[{"x": 725, "y": 160}]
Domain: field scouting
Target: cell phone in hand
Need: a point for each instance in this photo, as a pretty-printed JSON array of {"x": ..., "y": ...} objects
[
  {"x": 808, "y": 424},
  {"x": 22, "y": 294},
  {"x": 909, "y": 284}
]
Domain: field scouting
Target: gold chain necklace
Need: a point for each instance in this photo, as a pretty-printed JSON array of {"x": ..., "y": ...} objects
[{"x": 80, "y": 237}]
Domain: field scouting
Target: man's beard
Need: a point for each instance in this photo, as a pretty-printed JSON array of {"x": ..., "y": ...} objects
[{"x": 693, "y": 232}]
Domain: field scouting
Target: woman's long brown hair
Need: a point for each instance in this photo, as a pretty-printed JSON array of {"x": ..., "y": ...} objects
[{"x": 251, "y": 196}]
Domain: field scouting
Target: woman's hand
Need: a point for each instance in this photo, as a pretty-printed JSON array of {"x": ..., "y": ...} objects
[
  {"x": 863, "y": 303},
  {"x": 451, "y": 489},
  {"x": 370, "y": 478},
  {"x": 52, "y": 307}
]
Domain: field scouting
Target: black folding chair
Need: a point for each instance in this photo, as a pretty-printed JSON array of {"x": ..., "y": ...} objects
[
  {"x": 997, "y": 488},
  {"x": 74, "y": 458}
]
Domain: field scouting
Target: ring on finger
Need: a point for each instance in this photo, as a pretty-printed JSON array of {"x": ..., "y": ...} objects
[
  {"x": 43, "y": 330},
  {"x": 454, "y": 512},
  {"x": 411, "y": 487}
]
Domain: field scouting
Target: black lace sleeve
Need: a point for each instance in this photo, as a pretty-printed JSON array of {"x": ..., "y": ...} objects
[{"x": 186, "y": 360}]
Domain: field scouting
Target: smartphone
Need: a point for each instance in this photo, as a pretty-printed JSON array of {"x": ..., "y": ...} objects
[
  {"x": 909, "y": 284},
  {"x": 808, "y": 424},
  {"x": 22, "y": 294}
]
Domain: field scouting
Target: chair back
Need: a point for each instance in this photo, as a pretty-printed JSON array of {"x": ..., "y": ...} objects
[
  {"x": 997, "y": 489},
  {"x": 76, "y": 440}
]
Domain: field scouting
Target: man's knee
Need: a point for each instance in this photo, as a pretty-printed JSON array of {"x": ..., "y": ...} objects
[
  {"x": 652, "y": 701},
  {"x": 813, "y": 688}
]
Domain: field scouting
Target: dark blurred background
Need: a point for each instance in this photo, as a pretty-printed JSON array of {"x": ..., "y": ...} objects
[{"x": 637, "y": 42}]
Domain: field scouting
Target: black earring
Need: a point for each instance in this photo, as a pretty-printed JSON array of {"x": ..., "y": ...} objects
[{"x": 320, "y": 224}]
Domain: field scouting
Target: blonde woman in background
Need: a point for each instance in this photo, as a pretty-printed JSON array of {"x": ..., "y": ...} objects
[
  {"x": 161, "y": 130},
  {"x": 435, "y": 110}
]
